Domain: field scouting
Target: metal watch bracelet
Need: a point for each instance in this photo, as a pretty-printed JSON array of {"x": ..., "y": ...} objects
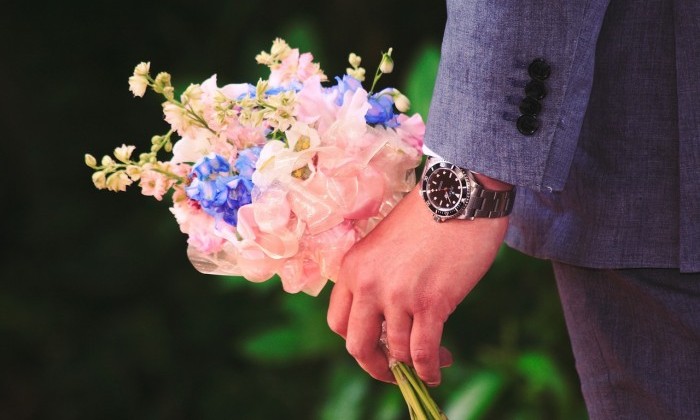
[{"x": 487, "y": 203}]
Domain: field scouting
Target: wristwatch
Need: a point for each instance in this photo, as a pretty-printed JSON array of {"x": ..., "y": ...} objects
[{"x": 452, "y": 192}]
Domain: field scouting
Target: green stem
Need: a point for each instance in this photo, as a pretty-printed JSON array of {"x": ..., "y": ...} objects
[
  {"x": 408, "y": 391},
  {"x": 421, "y": 391},
  {"x": 199, "y": 119},
  {"x": 377, "y": 75}
]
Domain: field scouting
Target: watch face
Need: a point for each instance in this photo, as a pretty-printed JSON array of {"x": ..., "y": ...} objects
[{"x": 445, "y": 189}]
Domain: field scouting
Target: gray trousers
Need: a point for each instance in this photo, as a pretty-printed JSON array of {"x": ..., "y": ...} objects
[{"x": 635, "y": 335}]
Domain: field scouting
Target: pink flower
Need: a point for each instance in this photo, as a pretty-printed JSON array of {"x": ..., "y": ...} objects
[
  {"x": 198, "y": 225},
  {"x": 295, "y": 68},
  {"x": 154, "y": 183},
  {"x": 318, "y": 260},
  {"x": 315, "y": 106},
  {"x": 411, "y": 130}
]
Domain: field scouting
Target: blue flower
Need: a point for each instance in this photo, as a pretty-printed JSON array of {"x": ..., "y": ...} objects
[
  {"x": 209, "y": 193},
  {"x": 209, "y": 165},
  {"x": 293, "y": 85},
  {"x": 239, "y": 194},
  {"x": 245, "y": 161},
  {"x": 346, "y": 84},
  {"x": 219, "y": 192},
  {"x": 381, "y": 111},
  {"x": 249, "y": 93}
]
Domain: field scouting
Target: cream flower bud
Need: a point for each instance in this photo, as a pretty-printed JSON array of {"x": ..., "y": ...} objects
[
  {"x": 107, "y": 161},
  {"x": 358, "y": 73},
  {"x": 387, "y": 64},
  {"x": 354, "y": 60},
  {"x": 123, "y": 153},
  {"x": 402, "y": 103},
  {"x": 100, "y": 180},
  {"x": 162, "y": 81},
  {"x": 90, "y": 160},
  {"x": 260, "y": 88},
  {"x": 169, "y": 92},
  {"x": 263, "y": 58}
]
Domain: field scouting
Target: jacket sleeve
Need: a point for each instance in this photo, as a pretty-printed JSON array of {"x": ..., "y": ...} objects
[{"x": 485, "y": 69}]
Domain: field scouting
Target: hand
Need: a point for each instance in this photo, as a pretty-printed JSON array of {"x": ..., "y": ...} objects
[{"x": 411, "y": 272}]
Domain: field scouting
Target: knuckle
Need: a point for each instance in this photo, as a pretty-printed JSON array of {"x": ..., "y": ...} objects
[
  {"x": 336, "y": 325},
  {"x": 426, "y": 301},
  {"x": 400, "y": 354},
  {"x": 421, "y": 356},
  {"x": 365, "y": 286},
  {"x": 357, "y": 351}
]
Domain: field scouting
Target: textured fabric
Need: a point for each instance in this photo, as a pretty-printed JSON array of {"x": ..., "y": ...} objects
[
  {"x": 635, "y": 335},
  {"x": 610, "y": 179}
]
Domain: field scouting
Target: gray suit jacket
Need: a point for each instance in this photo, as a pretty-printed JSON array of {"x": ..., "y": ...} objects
[{"x": 607, "y": 162}]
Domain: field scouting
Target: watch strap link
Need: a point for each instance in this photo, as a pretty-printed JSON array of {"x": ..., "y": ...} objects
[{"x": 488, "y": 204}]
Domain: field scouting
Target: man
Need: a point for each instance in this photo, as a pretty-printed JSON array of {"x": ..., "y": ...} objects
[{"x": 584, "y": 115}]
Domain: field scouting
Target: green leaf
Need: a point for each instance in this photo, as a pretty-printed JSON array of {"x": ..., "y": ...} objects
[
  {"x": 304, "y": 335},
  {"x": 391, "y": 405},
  {"x": 542, "y": 375},
  {"x": 348, "y": 393},
  {"x": 280, "y": 344},
  {"x": 474, "y": 399}
]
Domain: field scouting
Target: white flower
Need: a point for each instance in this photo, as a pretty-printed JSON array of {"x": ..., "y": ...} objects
[
  {"x": 100, "y": 180},
  {"x": 134, "y": 172},
  {"x": 138, "y": 85},
  {"x": 275, "y": 164},
  {"x": 280, "y": 49},
  {"x": 176, "y": 116},
  {"x": 191, "y": 148},
  {"x": 142, "y": 69},
  {"x": 302, "y": 137},
  {"x": 118, "y": 181},
  {"x": 123, "y": 153}
]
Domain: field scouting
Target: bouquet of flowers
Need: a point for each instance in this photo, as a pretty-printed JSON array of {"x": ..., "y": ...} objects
[{"x": 279, "y": 178}]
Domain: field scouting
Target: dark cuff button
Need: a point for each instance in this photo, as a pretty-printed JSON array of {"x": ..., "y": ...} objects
[
  {"x": 535, "y": 89},
  {"x": 539, "y": 69},
  {"x": 530, "y": 106},
  {"x": 528, "y": 125}
]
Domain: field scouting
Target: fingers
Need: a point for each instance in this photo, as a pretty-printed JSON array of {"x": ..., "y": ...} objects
[
  {"x": 360, "y": 323},
  {"x": 339, "y": 309},
  {"x": 414, "y": 341},
  {"x": 425, "y": 348},
  {"x": 445, "y": 357},
  {"x": 363, "y": 340},
  {"x": 398, "y": 334}
]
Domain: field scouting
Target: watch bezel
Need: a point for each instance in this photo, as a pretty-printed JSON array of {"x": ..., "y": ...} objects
[{"x": 463, "y": 178}]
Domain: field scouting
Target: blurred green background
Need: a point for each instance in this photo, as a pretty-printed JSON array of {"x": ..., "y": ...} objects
[{"x": 101, "y": 314}]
